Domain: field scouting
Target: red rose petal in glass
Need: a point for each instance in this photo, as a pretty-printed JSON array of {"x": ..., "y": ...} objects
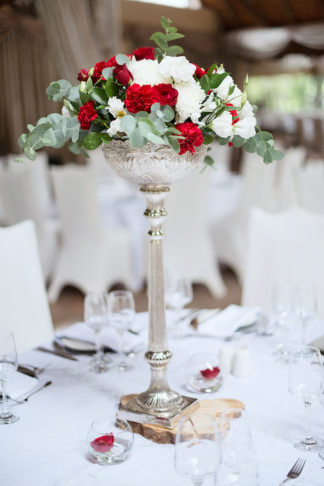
[
  {"x": 103, "y": 443},
  {"x": 210, "y": 373}
]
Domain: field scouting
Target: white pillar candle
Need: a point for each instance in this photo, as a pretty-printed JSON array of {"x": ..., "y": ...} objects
[
  {"x": 242, "y": 364},
  {"x": 226, "y": 354}
]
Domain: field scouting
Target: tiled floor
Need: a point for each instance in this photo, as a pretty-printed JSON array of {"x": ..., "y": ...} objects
[{"x": 69, "y": 307}]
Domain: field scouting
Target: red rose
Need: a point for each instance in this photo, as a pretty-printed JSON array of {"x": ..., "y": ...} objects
[
  {"x": 87, "y": 114},
  {"x": 83, "y": 75},
  {"x": 122, "y": 74},
  {"x": 235, "y": 117},
  {"x": 166, "y": 95},
  {"x": 140, "y": 98},
  {"x": 144, "y": 53},
  {"x": 103, "y": 443},
  {"x": 210, "y": 373},
  {"x": 193, "y": 137},
  {"x": 200, "y": 72}
]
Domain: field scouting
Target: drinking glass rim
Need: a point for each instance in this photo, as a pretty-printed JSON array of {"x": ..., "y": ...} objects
[
  {"x": 293, "y": 350},
  {"x": 113, "y": 421},
  {"x": 6, "y": 333}
]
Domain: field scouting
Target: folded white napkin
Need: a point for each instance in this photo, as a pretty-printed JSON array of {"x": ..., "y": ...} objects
[
  {"x": 226, "y": 322},
  {"x": 109, "y": 337},
  {"x": 20, "y": 384}
]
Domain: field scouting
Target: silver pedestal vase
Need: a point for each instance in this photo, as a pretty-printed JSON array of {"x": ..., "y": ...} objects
[{"x": 154, "y": 168}]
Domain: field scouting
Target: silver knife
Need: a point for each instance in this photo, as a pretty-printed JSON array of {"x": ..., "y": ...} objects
[{"x": 62, "y": 354}]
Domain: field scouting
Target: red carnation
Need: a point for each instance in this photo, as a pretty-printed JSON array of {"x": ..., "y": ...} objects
[
  {"x": 97, "y": 73},
  {"x": 112, "y": 62},
  {"x": 87, "y": 114},
  {"x": 166, "y": 95},
  {"x": 200, "y": 72},
  {"x": 235, "y": 117},
  {"x": 83, "y": 75},
  {"x": 122, "y": 74},
  {"x": 103, "y": 443},
  {"x": 144, "y": 53},
  {"x": 140, "y": 98},
  {"x": 210, "y": 373},
  {"x": 193, "y": 137}
]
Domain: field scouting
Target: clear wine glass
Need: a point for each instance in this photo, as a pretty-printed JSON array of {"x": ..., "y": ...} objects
[
  {"x": 305, "y": 379},
  {"x": 121, "y": 312},
  {"x": 95, "y": 316},
  {"x": 305, "y": 305},
  {"x": 8, "y": 365},
  {"x": 238, "y": 462},
  {"x": 197, "y": 448},
  {"x": 178, "y": 293},
  {"x": 282, "y": 315}
]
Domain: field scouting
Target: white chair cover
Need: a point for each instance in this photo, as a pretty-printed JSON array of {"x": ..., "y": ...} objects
[
  {"x": 23, "y": 300},
  {"x": 284, "y": 246},
  {"x": 188, "y": 246},
  {"x": 25, "y": 195},
  {"x": 91, "y": 258},
  {"x": 311, "y": 184}
]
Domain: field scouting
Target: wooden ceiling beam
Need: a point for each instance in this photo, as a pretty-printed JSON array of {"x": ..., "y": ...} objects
[{"x": 254, "y": 10}]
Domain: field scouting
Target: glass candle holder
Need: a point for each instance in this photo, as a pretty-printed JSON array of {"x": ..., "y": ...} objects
[
  {"x": 110, "y": 441},
  {"x": 203, "y": 373}
]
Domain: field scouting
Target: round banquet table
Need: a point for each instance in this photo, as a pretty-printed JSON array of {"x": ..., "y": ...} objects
[{"x": 49, "y": 440}]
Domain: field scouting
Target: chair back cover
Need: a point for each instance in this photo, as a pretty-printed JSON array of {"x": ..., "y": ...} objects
[
  {"x": 23, "y": 300},
  {"x": 286, "y": 246}
]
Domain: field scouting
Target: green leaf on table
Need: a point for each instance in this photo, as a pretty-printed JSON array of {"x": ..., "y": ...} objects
[{"x": 92, "y": 140}]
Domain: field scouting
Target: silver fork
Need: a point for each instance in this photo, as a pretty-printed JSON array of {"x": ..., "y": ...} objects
[{"x": 295, "y": 471}]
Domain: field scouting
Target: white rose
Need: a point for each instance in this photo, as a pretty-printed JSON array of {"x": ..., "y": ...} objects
[
  {"x": 178, "y": 68},
  {"x": 190, "y": 98},
  {"x": 146, "y": 71},
  {"x": 223, "y": 88},
  {"x": 116, "y": 107},
  {"x": 209, "y": 105},
  {"x": 114, "y": 127},
  {"x": 222, "y": 125}
]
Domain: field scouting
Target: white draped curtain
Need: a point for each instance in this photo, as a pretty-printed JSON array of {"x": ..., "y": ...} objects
[{"x": 68, "y": 35}]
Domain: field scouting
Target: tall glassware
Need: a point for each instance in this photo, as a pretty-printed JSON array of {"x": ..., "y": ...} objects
[
  {"x": 8, "y": 365},
  {"x": 95, "y": 316},
  {"x": 121, "y": 312},
  {"x": 305, "y": 378},
  {"x": 178, "y": 293},
  {"x": 197, "y": 448},
  {"x": 305, "y": 305}
]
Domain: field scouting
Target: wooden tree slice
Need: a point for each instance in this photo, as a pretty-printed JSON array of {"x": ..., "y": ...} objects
[{"x": 161, "y": 435}]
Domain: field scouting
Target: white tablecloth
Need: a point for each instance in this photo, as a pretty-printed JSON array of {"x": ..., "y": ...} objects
[{"x": 49, "y": 440}]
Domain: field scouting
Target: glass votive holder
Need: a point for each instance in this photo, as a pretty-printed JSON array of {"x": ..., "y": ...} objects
[
  {"x": 110, "y": 441},
  {"x": 203, "y": 373}
]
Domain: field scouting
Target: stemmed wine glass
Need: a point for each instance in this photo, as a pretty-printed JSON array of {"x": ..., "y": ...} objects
[
  {"x": 8, "y": 365},
  {"x": 305, "y": 305},
  {"x": 197, "y": 448},
  {"x": 121, "y": 312},
  {"x": 305, "y": 378},
  {"x": 282, "y": 314},
  {"x": 95, "y": 316},
  {"x": 178, "y": 293}
]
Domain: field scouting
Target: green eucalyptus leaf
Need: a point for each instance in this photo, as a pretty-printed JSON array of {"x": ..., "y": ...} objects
[
  {"x": 268, "y": 158},
  {"x": 58, "y": 89},
  {"x": 168, "y": 113},
  {"x": 107, "y": 72},
  {"x": 250, "y": 145},
  {"x": 174, "y": 130},
  {"x": 22, "y": 140},
  {"x": 19, "y": 159},
  {"x": 30, "y": 127},
  {"x": 145, "y": 126},
  {"x": 155, "y": 107},
  {"x": 160, "y": 40},
  {"x": 74, "y": 148},
  {"x": 165, "y": 23},
  {"x": 277, "y": 154},
  {"x": 141, "y": 114},
  {"x": 174, "y": 36},
  {"x": 261, "y": 147},
  {"x": 128, "y": 124},
  {"x": 209, "y": 160},
  {"x": 174, "y": 144},
  {"x": 30, "y": 153},
  {"x": 92, "y": 140},
  {"x": 154, "y": 138},
  {"x": 64, "y": 126},
  {"x": 160, "y": 126},
  {"x": 122, "y": 59},
  {"x": 174, "y": 51},
  {"x": 48, "y": 138},
  {"x": 54, "y": 118},
  {"x": 136, "y": 139}
]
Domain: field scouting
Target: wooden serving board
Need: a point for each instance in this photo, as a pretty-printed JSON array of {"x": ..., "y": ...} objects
[{"x": 161, "y": 435}]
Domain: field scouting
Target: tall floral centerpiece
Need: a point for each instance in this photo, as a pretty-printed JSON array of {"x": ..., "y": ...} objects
[{"x": 154, "y": 113}]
